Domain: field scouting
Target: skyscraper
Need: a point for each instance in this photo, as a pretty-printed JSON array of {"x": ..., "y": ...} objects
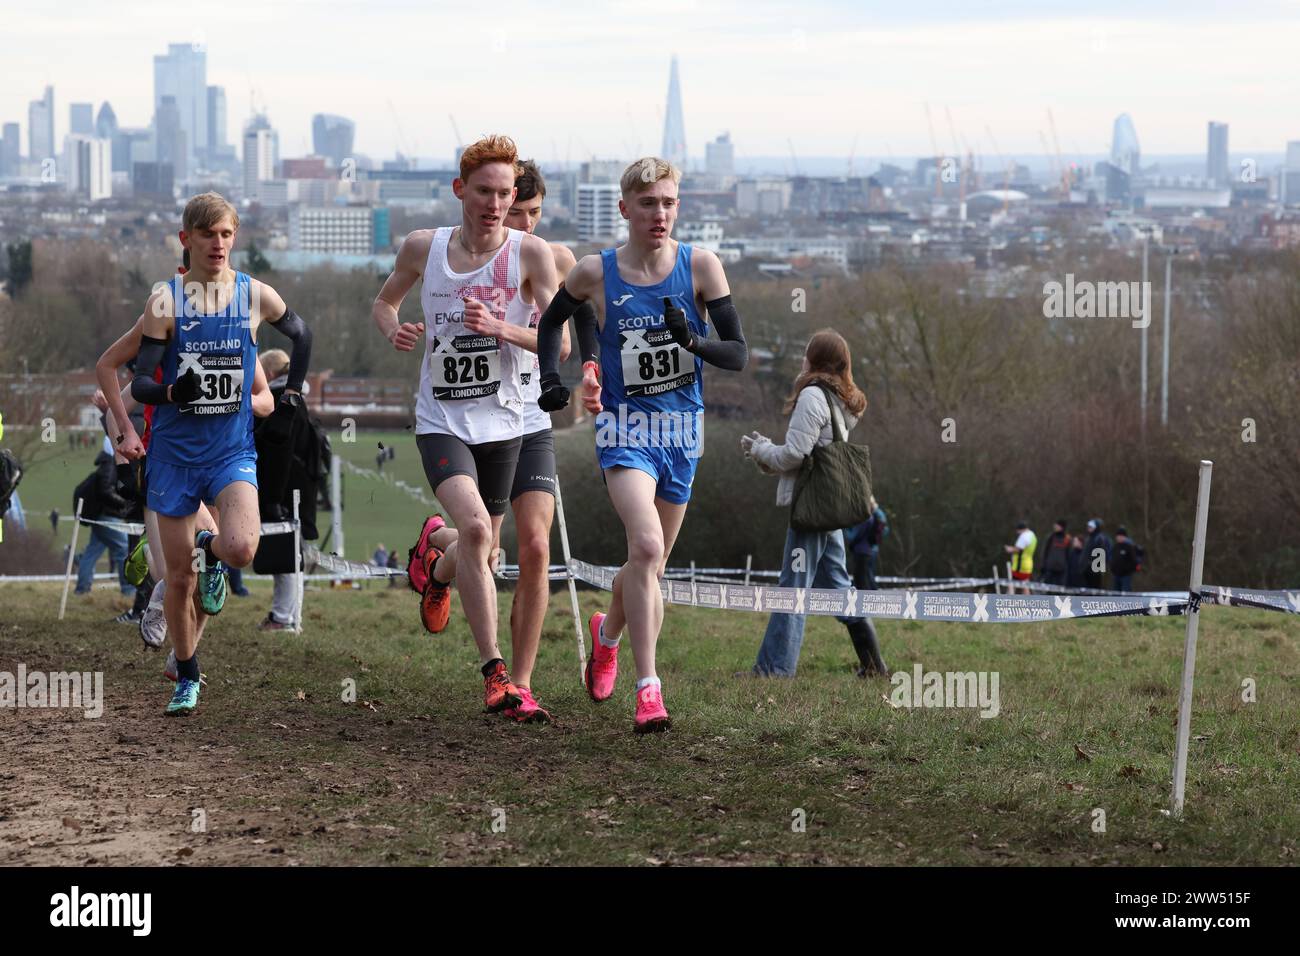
[
  {"x": 720, "y": 157},
  {"x": 10, "y": 150},
  {"x": 1124, "y": 150},
  {"x": 88, "y": 162},
  {"x": 171, "y": 142},
  {"x": 674, "y": 149},
  {"x": 40, "y": 127},
  {"x": 1216, "y": 154},
  {"x": 216, "y": 120},
  {"x": 105, "y": 121},
  {"x": 261, "y": 154},
  {"x": 81, "y": 119},
  {"x": 331, "y": 137},
  {"x": 182, "y": 73}
]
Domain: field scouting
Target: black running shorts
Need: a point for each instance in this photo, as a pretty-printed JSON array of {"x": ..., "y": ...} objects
[
  {"x": 536, "y": 468},
  {"x": 491, "y": 465}
]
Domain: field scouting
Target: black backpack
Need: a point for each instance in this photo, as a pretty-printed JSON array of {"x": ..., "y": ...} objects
[{"x": 11, "y": 473}]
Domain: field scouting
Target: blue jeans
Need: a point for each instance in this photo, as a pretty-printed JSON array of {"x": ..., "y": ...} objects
[
  {"x": 102, "y": 538},
  {"x": 1123, "y": 582},
  {"x": 822, "y": 566}
]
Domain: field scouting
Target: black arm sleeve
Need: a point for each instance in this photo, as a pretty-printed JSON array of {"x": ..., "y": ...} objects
[
  {"x": 584, "y": 322},
  {"x": 730, "y": 352},
  {"x": 293, "y": 328},
  {"x": 143, "y": 388},
  {"x": 550, "y": 332}
]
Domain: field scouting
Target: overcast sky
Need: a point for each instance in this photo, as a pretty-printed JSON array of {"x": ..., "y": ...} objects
[{"x": 567, "y": 83}]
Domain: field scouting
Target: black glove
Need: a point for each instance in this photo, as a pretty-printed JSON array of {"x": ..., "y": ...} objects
[
  {"x": 675, "y": 320},
  {"x": 187, "y": 388},
  {"x": 127, "y": 486},
  {"x": 554, "y": 395}
]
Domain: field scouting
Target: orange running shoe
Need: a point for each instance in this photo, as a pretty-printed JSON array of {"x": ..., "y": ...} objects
[
  {"x": 528, "y": 712},
  {"x": 435, "y": 604},
  {"x": 651, "y": 715},
  {"x": 416, "y": 575},
  {"x": 499, "y": 691},
  {"x": 602, "y": 665}
]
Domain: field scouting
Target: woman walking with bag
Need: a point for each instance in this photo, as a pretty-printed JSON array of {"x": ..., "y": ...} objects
[{"x": 824, "y": 405}]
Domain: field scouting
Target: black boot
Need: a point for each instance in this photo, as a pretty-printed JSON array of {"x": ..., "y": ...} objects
[{"x": 863, "y": 635}]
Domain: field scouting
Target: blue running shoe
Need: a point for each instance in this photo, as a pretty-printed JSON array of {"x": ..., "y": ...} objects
[
  {"x": 184, "y": 700},
  {"x": 212, "y": 581}
]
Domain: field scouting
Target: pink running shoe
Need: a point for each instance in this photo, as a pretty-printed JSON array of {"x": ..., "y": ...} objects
[
  {"x": 528, "y": 711},
  {"x": 602, "y": 665},
  {"x": 416, "y": 575},
  {"x": 651, "y": 715}
]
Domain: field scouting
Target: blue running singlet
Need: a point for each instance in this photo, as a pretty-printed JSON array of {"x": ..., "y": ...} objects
[{"x": 218, "y": 425}]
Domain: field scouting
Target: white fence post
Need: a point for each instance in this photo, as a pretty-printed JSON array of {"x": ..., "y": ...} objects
[
  {"x": 72, "y": 551},
  {"x": 573, "y": 588},
  {"x": 1189, "y": 643}
]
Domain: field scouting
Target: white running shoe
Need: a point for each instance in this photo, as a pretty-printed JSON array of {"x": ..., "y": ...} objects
[{"x": 153, "y": 626}]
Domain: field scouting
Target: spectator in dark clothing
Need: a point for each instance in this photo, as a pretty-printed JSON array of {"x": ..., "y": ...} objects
[
  {"x": 864, "y": 547},
  {"x": 1075, "y": 566},
  {"x": 1128, "y": 560},
  {"x": 1056, "y": 554},
  {"x": 54, "y": 520},
  {"x": 393, "y": 566},
  {"x": 1096, "y": 556},
  {"x": 102, "y": 503}
]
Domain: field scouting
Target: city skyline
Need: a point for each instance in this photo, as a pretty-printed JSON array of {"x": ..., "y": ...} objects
[{"x": 996, "y": 75}]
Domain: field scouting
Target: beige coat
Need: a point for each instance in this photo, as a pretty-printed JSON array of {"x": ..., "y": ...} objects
[{"x": 809, "y": 428}]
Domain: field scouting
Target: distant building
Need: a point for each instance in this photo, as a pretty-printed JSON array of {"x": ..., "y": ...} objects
[
  {"x": 1289, "y": 185},
  {"x": 331, "y": 137},
  {"x": 720, "y": 157},
  {"x": 601, "y": 171},
  {"x": 131, "y": 146},
  {"x": 40, "y": 127},
  {"x": 307, "y": 167},
  {"x": 182, "y": 74},
  {"x": 674, "y": 145},
  {"x": 762, "y": 197},
  {"x": 88, "y": 162},
  {"x": 597, "y": 213},
  {"x": 345, "y": 230},
  {"x": 153, "y": 179},
  {"x": 171, "y": 140},
  {"x": 11, "y": 150},
  {"x": 105, "y": 121},
  {"x": 261, "y": 154},
  {"x": 1216, "y": 154},
  {"x": 1125, "y": 154},
  {"x": 216, "y": 113},
  {"x": 81, "y": 119}
]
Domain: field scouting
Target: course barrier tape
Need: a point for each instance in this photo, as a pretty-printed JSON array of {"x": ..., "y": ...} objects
[
  {"x": 132, "y": 527},
  {"x": 418, "y": 494},
  {"x": 1288, "y": 602},
  {"x": 897, "y": 605}
]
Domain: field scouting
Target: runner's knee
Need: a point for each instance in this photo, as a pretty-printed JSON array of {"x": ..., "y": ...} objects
[
  {"x": 534, "y": 549},
  {"x": 646, "y": 548}
]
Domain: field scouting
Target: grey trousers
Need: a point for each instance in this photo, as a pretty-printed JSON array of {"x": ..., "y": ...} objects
[{"x": 284, "y": 599}]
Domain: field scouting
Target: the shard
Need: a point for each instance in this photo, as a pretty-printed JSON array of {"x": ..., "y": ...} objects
[{"x": 674, "y": 149}]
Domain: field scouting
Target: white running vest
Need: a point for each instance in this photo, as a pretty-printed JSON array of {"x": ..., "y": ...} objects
[
  {"x": 469, "y": 383},
  {"x": 535, "y": 420}
]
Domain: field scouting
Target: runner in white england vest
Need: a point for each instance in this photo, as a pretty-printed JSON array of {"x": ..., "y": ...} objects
[{"x": 479, "y": 283}]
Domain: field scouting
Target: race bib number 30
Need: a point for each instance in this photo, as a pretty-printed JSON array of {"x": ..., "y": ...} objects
[
  {"x": 653, "y": 363},
  {"x": 465, "y": 367},
  {"x": 221, "y": 383}
]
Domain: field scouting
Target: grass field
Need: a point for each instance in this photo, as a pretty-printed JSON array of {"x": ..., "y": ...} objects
[{"x": 284, "y": 771}]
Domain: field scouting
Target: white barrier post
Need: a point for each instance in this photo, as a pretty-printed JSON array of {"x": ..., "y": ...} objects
[
  {"x": 72, "y": 550},
  {"x": 749, "y": 561},
  {"x": 1189, "y": 644},
  {"x": 573, "y": 588},
  {"x": 997, "y": 581},
  {"x": 297, "y": 562},
  {"x": 336, "y": 502}
]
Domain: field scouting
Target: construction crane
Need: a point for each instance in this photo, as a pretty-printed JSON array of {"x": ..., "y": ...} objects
[
  {"x": 790, "y": 143},
  {"x": 397, "y": 124},
  {"x": 852, "y": 149}
]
